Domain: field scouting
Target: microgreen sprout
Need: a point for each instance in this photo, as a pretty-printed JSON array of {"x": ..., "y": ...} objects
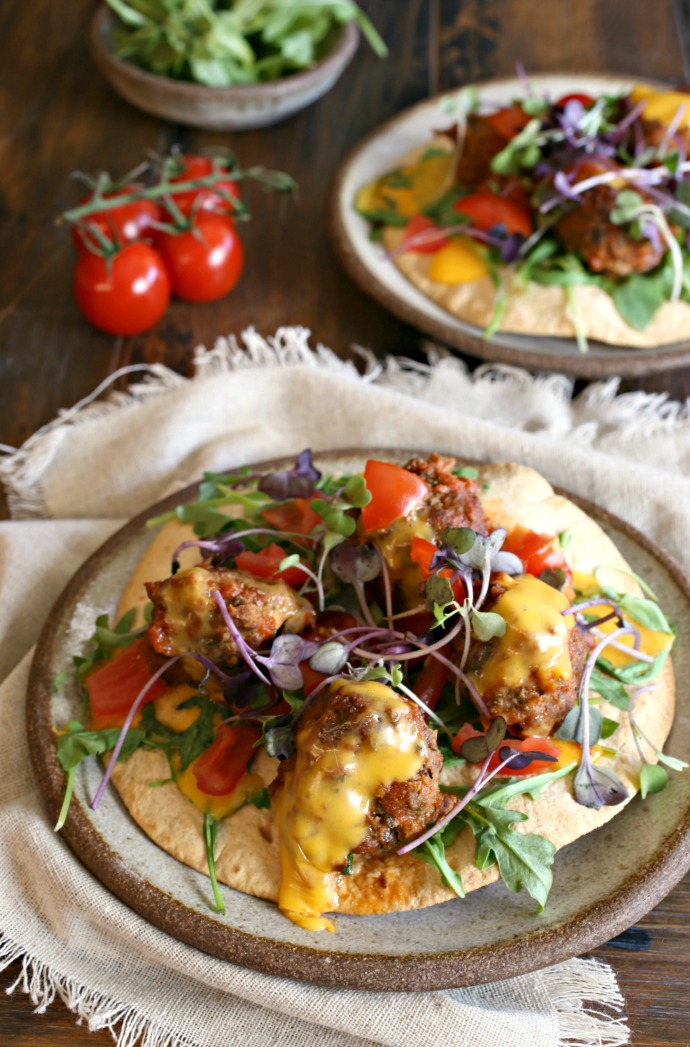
[
  {"x": 630, "y": 207},
  {"x": 653, "y": 777},
  {"x": 298, "y": 482}
]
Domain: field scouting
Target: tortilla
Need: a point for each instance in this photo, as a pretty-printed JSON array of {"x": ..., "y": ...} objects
[
  {"x": 541, "y": 310},
  {"x": 247, "y": 847}
]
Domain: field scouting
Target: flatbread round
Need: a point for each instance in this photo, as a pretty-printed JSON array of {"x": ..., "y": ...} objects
[
  {"x": 538, "y": 309},
  {"x": 247, "y": 847}
]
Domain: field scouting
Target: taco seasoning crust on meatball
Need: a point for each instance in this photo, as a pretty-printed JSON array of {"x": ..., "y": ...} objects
[{"x": 364, "y": 779}]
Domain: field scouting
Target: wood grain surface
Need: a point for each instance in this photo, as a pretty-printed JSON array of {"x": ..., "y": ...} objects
[{"x": 58, "y": 116}]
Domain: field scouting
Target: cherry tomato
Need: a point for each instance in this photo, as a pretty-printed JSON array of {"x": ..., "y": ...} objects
[
  {"x": 585, "y": 100},
  {"x": 296, "y": 515},
  {"x": 538, "y": 552},
  {"x": 394, "y": 492},
  {"x": 119, "y": 225},
  {"x": 125, "y": 294},
  {"x": 114, "y": 686},
  {"x": 311, "y": 678},
  {"x": 205, "y": 262},
  {"x": 421, "y": 226},
  {"x": 265, "y": 563},
  {"x": 486, "y": 210},
  {"x": 509, "y": 121},
  {"x": 220, "y": 769},
  {"x": 206, "y": 198}
]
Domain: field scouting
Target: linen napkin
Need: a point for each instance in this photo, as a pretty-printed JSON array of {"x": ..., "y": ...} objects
[{"x": 75, "y": 481}]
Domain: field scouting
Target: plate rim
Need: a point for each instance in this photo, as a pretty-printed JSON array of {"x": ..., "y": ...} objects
[
  {"x": 409, "y": 972},
  {"x": 628, "y": 362}
]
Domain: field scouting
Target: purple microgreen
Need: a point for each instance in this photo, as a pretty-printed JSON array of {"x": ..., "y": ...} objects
[
  {"x": 287, "y": 651},
  {"x": 298, "y": 482},
  {"x": 596, "y": 786},
  {"x": 356, "y": 565},
  {"x": 519, "y": 759}
]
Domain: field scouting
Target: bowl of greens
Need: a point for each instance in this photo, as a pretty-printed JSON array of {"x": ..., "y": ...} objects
[{"x": 226, "y": 65}]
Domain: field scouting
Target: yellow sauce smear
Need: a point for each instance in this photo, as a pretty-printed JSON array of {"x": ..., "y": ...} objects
[
  {"x": 170, "y": 715},
  {"x": 322, "y": 808},
  {"x": 407, "y": 190},
  {"x": 536, "y": 637},
  {"x": 459, "y": 262},
  {"x": 662, "y": 105},
  {"x": 651, "y": 643},
  {"x": 394, "y": 545}
]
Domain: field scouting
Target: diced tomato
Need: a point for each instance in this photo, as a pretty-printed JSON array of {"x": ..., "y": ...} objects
[
  {"x": 509, "y": 121},
  {"x": 265, "y": 563},
  {"x": 420, "y": 238},
  {"x": 113, "y": 688},
  {"x": 220, "y": 769},
  {"x": 487, "y": 210},
  {"x": 296, "y": 515},
  {"x": 395, "y": 492},
  {"x": 585, "y": 100},
  {"x": 429, "y": 683},
  {"x": 538, "y": 552}
]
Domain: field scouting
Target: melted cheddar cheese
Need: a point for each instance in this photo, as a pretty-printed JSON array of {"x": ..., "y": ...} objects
[
  {"x": 322, "y": 807},
  {"x": 536, "y": 637},
  {"x": 663, "y": 106},
  {"x": 394, "y": 546}
]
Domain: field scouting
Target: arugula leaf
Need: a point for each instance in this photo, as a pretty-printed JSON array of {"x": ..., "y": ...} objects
[
  {"x": 524, "y": 859},
  {"x": 433, "y": 852},
  {"x": 261, "y": 799},
  {"x": 188, "y": 744},
  {"x": 78, "y": 743},
  {"x": 637, "y": 673},
  {"x": 610, "y": 689},
  {"x": 532, "y": 786},
  {"x": 210, "y": 833},
  {"x": 639, "y": 297}
]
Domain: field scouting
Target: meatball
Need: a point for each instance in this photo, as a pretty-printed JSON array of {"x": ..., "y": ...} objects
[
  {"x": 186, "y": 618},
  {"x": 453, "y": 501},
  {"x": 350, "y": 719},
  {"x": 606, "y": 248},
  {"x": 482, "y": 143},
  {"x": 520, "y": 677}
]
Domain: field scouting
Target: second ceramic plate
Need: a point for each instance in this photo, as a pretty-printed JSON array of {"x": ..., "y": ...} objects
[{"x": 365, "y": 263}]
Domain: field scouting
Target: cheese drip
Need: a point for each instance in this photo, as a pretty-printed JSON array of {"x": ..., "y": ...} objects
[
  {"x": 535, "y": 643},
  {"x": 394, "y": 545},
  {"x": 322, "y": 807}
]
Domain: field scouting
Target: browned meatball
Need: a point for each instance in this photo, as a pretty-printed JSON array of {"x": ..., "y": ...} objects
[
  {"x": 482, "y": 143},
  {"x": 514, "y": 678},
  {"x": 186, "y": 618},
  {"x": 453, "y": 501},
  {"x": 349, "y": 718},
  {"x": 606, "y": 248}
]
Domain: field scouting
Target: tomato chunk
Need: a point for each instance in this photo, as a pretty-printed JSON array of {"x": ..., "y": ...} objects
[
  {"x": 509, "y": 121},
  {"x": 487, "y": 210},
  {"x": 394, "y": 492},
  {"x": 538, "y": 552},
  {"x": 113, "y": 688},
  {"x": 266, "y": 562},
  {"x": 296, "y": 515},
  {"x": 429, "y": 683},
  {"x": 422, "y": 553},
  {"x": 220, "y": 769},
  {"x": 585, "y": 100},
  {"x": 422, "y": 236}
]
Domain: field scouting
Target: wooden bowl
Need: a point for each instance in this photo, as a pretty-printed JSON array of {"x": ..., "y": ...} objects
[{"x": 218, "y": 108}]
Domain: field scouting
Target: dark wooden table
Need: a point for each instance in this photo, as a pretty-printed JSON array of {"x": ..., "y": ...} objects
[{"x": 59, "y": 116}]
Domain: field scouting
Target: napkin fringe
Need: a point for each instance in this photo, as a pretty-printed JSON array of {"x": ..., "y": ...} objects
[
  {"x": 598, "y": 415},
  {"x": 127, "y": 1026},
  {"x": 589, "y": 1006}
]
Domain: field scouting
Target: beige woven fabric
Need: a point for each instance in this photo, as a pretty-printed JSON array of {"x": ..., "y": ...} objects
[{"x": 81, "y": 476}]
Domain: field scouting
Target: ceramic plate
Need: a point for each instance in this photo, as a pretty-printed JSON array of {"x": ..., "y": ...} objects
[
  {"x": 603, "y": 882},
  {"x": 366, "y": 265}
]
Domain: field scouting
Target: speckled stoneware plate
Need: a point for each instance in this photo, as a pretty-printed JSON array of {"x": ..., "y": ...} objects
[
  {"x": 365, "y": 263},
  {"x": 603, "y": 882}
]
